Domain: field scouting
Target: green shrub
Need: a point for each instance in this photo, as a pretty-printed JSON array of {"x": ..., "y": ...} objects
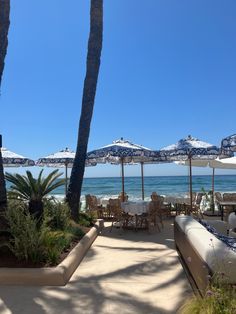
[
  {"x": 25, "y": 241},
  {"x": 44, "y": 242},
  {"x": 86, "y": 220},
  {"x": 217, "y": 300},
  {"x": 56, "y": 215},
  {"x": 54, "y": 243},
  {"x": 76, "y": 231}
]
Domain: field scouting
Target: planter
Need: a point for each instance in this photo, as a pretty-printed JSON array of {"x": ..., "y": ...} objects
[{"x": 52, "y": 276}]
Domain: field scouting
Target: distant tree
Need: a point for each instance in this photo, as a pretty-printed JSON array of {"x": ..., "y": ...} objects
[
  {"x": 4, "y": 26},
  {"x": 89, "y": 91}
]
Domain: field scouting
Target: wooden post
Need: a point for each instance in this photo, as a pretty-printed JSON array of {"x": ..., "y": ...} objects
[
  {"x": 142, "y": 178},
  {"x": 213, "y": 189},
  {"x": 66, "y": 177},
  {"x": 190, "y": 183},
  {"x": 123, "y": 179}
]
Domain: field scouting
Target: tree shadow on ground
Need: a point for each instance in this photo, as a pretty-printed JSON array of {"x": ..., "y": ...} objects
[{"x": 129, "y": 289}]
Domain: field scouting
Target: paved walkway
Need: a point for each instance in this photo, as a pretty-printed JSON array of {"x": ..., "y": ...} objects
[{"x": 123, "y": 272}]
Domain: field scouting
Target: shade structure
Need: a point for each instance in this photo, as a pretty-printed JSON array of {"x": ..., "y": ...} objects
[
  {"x": 229, "y": 143},
  {"x": 124, "y": 152},
  {"x": 225, "y": 163},
  {"x": 11, "y": 159},
  {"x": 191, "y": 149},
  {"x": 63, "y": 158}
]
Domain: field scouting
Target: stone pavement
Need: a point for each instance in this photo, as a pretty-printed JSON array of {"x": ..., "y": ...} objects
[{"x": 124, "y": 272}]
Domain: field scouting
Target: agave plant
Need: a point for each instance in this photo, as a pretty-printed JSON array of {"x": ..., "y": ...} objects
[{"x": 33, "y": 190}]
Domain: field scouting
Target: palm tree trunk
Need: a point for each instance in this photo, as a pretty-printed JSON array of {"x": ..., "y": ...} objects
[
  {"x": 4, "y": 26},
  {"x": 89, "y": 91}
]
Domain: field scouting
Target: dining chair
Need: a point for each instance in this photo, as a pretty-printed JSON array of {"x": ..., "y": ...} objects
[
  {"x": 153, "y": 216},
  {"x": 93, "y": 207},
  {"x": 123, "y": 197},
  {"x": 118, "y": 216}
]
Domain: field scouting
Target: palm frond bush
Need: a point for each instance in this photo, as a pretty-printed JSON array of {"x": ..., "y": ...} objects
[{"x": 32, "y": 190}]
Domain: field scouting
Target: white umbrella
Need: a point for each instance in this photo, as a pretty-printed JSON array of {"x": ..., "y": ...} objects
[
  {"x": 123, "y": 152},
  {"x": 225, "y": 163},
  {"x": 64, "y": 158},
  {"x": 191, "y": 149},
  {"x": 11, "y": 159},
  {"x": 229, "y": 143}
]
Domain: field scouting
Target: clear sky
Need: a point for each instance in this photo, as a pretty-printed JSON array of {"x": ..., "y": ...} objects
[{"x": 168, "y": 69}]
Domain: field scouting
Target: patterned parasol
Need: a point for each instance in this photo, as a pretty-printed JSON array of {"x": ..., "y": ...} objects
[
  {"x": 191, "y": 149},
  {"x": 229, "y": 143},
  {"x": 124, "y": 152},
  {"x": 11, "y": 159}
]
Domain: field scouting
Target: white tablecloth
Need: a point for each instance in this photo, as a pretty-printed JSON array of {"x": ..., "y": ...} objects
[{"x": 135, "y": 208}]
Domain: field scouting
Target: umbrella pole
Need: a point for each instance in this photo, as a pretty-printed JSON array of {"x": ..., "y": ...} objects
[
  {"x": 66, "y": 175},
  {"x": 142, "y": 177},
  {"x": 123, "y": 179},
  {"x": 213, "y": 189},
  {"x": 190, "y": 183}
]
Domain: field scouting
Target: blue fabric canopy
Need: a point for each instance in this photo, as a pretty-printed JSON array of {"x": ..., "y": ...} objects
[
  {"x": 11, "y": 159},
  {"x": 124, "y": 152},
  {"x": 192, "y": 148},
  {"x": 229, "y": 143}
]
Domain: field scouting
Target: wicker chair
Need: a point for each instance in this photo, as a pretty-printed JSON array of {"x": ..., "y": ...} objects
[
  {"x": 154, "y": 196},
  {"x": 150, "y": 219},
  {"x": 117, "y": 214},
  {"x": 164, "y": 208},
  {"x": 123, "y": 197},
  {"x": 93, "y": 207}
]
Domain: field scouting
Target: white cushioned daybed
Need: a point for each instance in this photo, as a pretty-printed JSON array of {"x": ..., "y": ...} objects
[{"x": 203, "y": 252}]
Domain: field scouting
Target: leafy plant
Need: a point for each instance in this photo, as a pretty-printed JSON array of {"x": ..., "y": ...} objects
[
  {"x": 26, "y": 240},
  {"x": 217, "y": 300},
  {"x": 85, "y": 219},
  {"x": 33, "y": 190},
  {"x": 54, "y": 243},
  {"x": 56, "y": 214}
]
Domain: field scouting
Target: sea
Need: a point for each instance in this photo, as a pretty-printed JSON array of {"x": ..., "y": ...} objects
[{"x": 177, "y": 186}]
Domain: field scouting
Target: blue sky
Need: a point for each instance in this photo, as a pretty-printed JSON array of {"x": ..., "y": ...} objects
[{"x": 168, "y": 69}]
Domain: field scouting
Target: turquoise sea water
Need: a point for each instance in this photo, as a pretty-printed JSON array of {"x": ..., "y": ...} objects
[{"x": 164, "y": 185}]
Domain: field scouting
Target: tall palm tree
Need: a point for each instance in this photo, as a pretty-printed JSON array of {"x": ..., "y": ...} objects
[
  {"x": 4, "y": 26},
  {"x": 89, "y": 91}
]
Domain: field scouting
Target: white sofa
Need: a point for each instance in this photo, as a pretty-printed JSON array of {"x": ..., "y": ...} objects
[{"x": 203, "y": 253}]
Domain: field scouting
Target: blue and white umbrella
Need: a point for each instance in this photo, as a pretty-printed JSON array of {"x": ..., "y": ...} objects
[
  {"x": 124, "y": 152},
  {"x": 64, "y": 158},
  {"x": 191, "y": 149},
  {"x": 229, "y": 143},
  {"x": 11, "y": 159}
]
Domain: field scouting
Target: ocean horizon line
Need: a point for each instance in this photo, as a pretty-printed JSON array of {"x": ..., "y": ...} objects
[{"x": 160, "y": 176}]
